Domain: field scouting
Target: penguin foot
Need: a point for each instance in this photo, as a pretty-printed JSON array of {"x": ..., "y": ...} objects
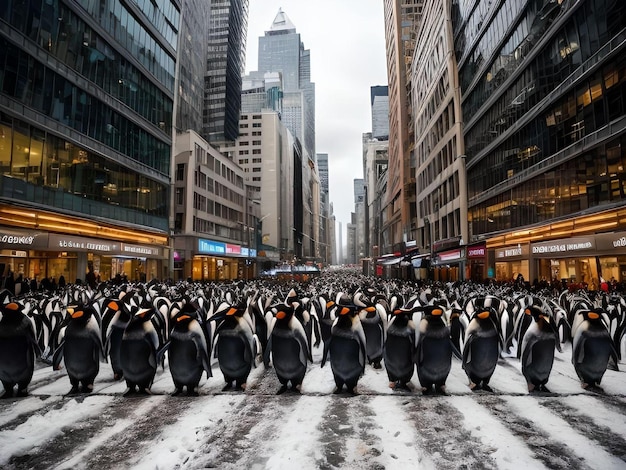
[
  {"x": 281, "y": 390},
  {"x": 487, "y": 388},
  {"x": 192, "y": 392},
  {"x": 353, "y": 392},
  {"x": 474, "y": 387},
  {"x": 337, "y": 390},
  {"x": 401, "y": 386},
  {"x": 441, "y": 390},
  {"x": 177, "y": 392},
  {"x": 129, "y": 392},
  {"x": 87, "y": 388},
  {"x": 21, "y": 393},
  {"x": 296, "y": 388},
  {"x": 145, "y": 391},
  {"x": 595, "y": 388},
  {"x": 74, "y": 390},
  {"x": 392, "y": 385},
  {"x": 8, "y": 393},
  {"x": 543, "y": 388},
  {"x": 227, "y": 387}
]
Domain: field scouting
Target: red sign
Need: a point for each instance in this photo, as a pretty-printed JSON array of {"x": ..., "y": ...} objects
[
  {"x": 233, "y": 249},
  {"x": 478, "y": 251}
]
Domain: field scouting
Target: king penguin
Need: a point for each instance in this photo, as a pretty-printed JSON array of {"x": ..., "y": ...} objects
[{"x": 399, "y": 351}]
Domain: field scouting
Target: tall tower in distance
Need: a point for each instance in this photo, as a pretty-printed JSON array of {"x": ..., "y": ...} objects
[{"x": 281, "y": 50}]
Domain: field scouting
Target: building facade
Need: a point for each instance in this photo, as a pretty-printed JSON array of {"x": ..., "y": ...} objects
[
  {"x": 86, "y": 110},
  {"x": 544, "y": 111},
  {"x": 225, "y": 65}
]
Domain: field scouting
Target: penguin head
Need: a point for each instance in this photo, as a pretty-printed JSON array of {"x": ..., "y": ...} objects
[
  {"x": 80, "y": 313},
  {"x": 10, "y": 311},
  {"x": 283, "y": 313},
  {"x": 593, "y": 315}
]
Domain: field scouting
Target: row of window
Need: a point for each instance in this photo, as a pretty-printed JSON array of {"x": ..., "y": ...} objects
[
  {"x": 576, "y": 115},
  {"x": 435, "y": 135},
  {"x": 42, "y": 159},
  {"x": 589, "y": 181},
  {"x": 38, "y": 87},
  {"x": 209, "y": 206},
  {"x": 437, "y": 164},
  {"x": 444, "y": 193}
]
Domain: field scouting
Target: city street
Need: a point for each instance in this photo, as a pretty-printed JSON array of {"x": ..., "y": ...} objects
[{"x": 569, "y": 428}]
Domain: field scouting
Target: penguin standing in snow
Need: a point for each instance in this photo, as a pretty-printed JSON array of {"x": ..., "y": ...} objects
[
  {"x": 481, "y": 348},
  {"x": 399, "y": 351},
  {"x": 537, "y": 347},
  {"x": 288, "y": 346},
  {"x": 347, "y": 348},
  {"x": 80, "y": 349},
  {"x": 188, "y": 351},
  {"x": 434, "y": 350},
  {"x": 116, "y": 317},
  {"x": 236, "y": 344},
  {"x": 139, "y": 349},
  {"x": 374, "y": 322},
  {"x": 18, "y": 347},
  {"x": 592, "y": 347}
]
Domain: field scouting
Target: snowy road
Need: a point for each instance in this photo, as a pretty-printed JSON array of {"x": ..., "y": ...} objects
[{"x": 377, "y": 429}]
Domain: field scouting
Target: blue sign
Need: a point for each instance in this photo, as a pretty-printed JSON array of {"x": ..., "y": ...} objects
[
  {"x": 245, "y": 251},
  {"x": 252, "y": 253},
  {"x": 208, "y": 246}
]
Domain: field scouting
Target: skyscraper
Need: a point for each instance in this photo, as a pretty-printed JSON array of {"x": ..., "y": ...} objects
[
  {"x": 224, "y": 68},
  {"x": 380, "y": 112},
  {"x": 281, "y": 50}
]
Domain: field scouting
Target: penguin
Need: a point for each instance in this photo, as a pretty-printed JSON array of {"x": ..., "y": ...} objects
[
  {"x": 374, "y": 322},
  {"x": 81, "y": 349},
  {"x": 139, "y": 350},
  {"x": 347, "y": 349},
  {"x": 536, "y": 350},
  {"x": 434, "y": 350},
  {"x": 116, "y": 317},
  {"x": 236, "y": 344},
  {"x": 400, "y": 347},
  {"x": 592, "y": 348},
  {"x": 188, "y": 351},
  {"x": 288, "y": 345},
  {"x": 18, "y": 347},
  {"x": 481, "y": 348}
]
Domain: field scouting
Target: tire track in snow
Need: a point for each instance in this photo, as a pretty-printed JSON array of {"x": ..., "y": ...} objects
[
  {"x": 441, "y": 432},
  {"x": 559, "y": 429}
]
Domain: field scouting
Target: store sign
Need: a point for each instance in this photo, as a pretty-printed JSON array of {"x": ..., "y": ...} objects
[
  {"x": 557, "y": 247},
  {"x": 208, "y": 246},
  {"x": 252, "y": 253},
  {"x": 449, "y": 255},
  {"x": 140, "y": 250},
  {"x": 512, "y": 251},
  {"x": 476, "y": 251},
  {"x": 611, "y": 241},
  {"x": 67, "y": 243},
  {"x": 233, "y": 249},
  {"x": 245, "y": 251},
  {"x": 23, "y": 239}
]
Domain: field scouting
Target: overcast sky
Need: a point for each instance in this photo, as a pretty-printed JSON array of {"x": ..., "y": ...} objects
[{"x": 347, "y": 43}]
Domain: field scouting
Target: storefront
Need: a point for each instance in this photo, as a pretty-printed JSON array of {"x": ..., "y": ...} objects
[
  {"x": 510, "y": 262},
  {"x": 448, "y": 265},
  {"x": 219, "y": 261},
  {"x": 582, "y": 260},
  {"x": 476, "y": 262},
  {"x": 36, "y": 254}
]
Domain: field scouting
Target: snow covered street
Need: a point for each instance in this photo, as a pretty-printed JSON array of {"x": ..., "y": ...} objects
[{"x": 569, "y": 428}]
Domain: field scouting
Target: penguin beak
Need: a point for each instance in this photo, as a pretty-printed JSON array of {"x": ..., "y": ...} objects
[
  {"x": 527, "y": 311},
  {"x": 437, "y": 312},
  {"x": 593, "y": 315},
  {"x": 113, "y": 306},
  {"x": 12, "y": 306},
  {"x": 344, "y": 311},
  {"x": 330, "y": 304},
  {"x": 231, "y": 311},
  {"x": 397, "y": 311},
  {"x": 370, "y": 309},
  {"x": 281, "y": 315},
  {"x": 183, "y": 317},
  {"x": 483, "y": 315},
  {"x": 77, "y": 313}
]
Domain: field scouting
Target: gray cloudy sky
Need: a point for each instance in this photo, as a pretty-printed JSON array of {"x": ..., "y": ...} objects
[{"x": 347, "y": 43}]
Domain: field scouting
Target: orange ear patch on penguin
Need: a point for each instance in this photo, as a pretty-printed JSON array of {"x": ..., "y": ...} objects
[{"x": 484, "y": 314}]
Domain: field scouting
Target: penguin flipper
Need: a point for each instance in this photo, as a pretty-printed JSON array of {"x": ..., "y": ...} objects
[
  {"x": 160, "y": 354},
  {"x": 455, "y": 350},
  {"x": 325, "y": 353},
  {"x": 57, "y": 356},
  {"x": 266, "y": 354}
]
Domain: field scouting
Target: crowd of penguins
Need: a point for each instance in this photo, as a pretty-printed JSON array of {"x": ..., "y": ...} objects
[{"x": 359, "y": 320}]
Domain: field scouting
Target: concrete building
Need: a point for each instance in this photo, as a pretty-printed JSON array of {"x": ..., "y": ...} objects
[
  {"x": 360, "y": 219},
  {"x": 441, "y": 188},
  {"x": 214, "y": 230},
  {"x": 326, "y": 228},
  {"x": 380, "y": 112},
  {"x": 400, "y": 220},
  {"x": 86, "y": 115},
  {"x": 544, "y": 115},
  {"x": 375, "y": 164}
]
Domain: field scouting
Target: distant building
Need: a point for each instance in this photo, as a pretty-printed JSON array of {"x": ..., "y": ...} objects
[{"x": 380, "y": 112}]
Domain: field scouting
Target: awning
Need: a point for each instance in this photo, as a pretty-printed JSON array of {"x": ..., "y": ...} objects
[
  {"x": 390, "y": 261},
  {"x": 420, "y": 261}
]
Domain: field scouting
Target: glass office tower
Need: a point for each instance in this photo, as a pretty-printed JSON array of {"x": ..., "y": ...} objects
[
  {"x": 86, "y": 99},
  {"x": 543, "y": 87}
]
